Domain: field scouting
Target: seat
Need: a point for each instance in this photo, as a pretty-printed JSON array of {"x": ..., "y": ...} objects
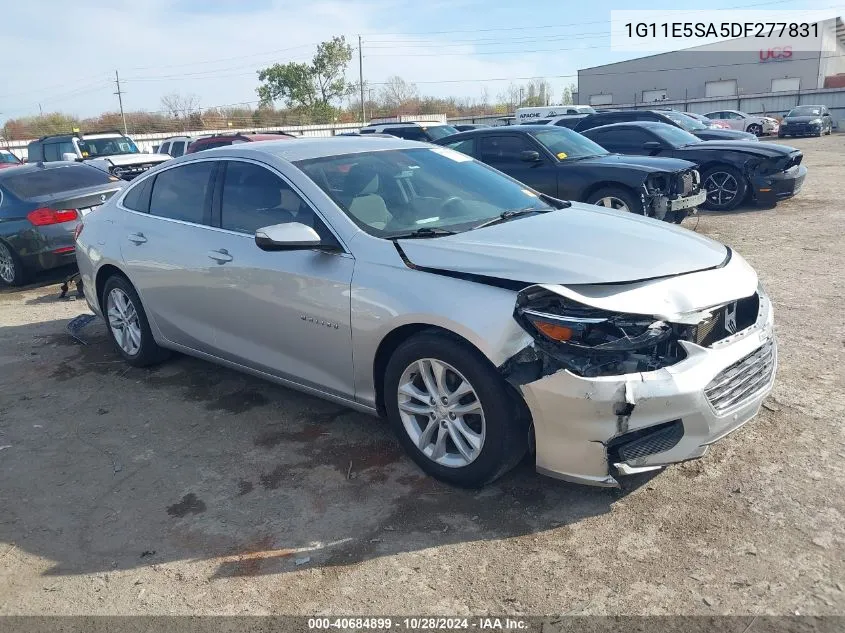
[{"x": 362, "y": 182}]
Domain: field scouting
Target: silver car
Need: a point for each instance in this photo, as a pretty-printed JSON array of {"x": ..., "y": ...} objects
[{"x": 483, "y": 319}]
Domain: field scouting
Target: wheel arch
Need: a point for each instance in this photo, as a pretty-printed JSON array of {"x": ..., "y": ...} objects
[
  {"x": 607, "y": 184},
  {"x": 103, "y": 274}
]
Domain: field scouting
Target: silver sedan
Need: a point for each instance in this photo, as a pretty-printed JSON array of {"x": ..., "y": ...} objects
[{"x": 484, "y": 320}]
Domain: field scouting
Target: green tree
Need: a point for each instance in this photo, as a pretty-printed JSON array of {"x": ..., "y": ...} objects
[{"x": 310, "y": 87}]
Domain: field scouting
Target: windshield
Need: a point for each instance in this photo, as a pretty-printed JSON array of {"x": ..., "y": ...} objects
[
  {"x": 439, "y": 131},
  {"x": 566, "y": 144},
  {"x": 107, "y": 146},
  {"x": 8, "y": 157},
  {"x": 805, "y": 111},
  {"x": 674, "y": 136},
  {"x": 393, "y": 192},
  {"x": 686, "y": 122}
]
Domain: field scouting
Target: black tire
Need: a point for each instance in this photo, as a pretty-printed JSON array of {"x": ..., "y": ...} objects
[
  {"x": 149, "y": 353},
  {"x": 16, "y": 274},
  {"x": 755, "y": 129},
  {"x": 506, "y": 433},
  {"x": 718, "y": 202},
  {"x": 781, "y": 135},
  {"x": 632, "y": 202}
]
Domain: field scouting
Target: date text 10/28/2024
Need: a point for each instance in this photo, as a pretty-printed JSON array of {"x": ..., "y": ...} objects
[{"x": 420, "y": 623}]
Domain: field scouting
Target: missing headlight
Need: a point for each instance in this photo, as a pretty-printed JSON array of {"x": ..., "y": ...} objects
[{"x": 592, "y": 342}]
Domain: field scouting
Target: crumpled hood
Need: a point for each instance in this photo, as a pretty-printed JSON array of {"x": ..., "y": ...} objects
[
  {"x": 721, "y": 134},
  {"x": 583, "y": 244},
  {"x": 643, "y": 163}
]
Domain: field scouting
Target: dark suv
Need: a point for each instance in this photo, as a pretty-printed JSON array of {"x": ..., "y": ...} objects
[
  {"x": 672, "y": 117},
  {"x": 221, "y": 140}
]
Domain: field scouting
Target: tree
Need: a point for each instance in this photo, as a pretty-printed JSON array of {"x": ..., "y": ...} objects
[
  {"x": 539, "y": 93},
  {"x": 180, "y": 106},
  {"x": 568, "y": 95},
  {"x": 309, "y": 87},
  {"x": 397, "y": 93}
]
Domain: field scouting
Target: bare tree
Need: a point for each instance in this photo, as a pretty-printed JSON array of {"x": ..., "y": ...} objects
[
  {"x": 397, "y": 93},
  {"x": 180, "y": 106},
  {"x": 568, "y": 94}
]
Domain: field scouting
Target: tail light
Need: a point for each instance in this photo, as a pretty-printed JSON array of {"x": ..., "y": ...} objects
[{"x": 46, "y": 216}]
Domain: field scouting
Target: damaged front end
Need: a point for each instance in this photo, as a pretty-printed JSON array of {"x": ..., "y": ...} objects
[
  {"x": 611, "y": 390},
  {"x": 671, "y": 196}
]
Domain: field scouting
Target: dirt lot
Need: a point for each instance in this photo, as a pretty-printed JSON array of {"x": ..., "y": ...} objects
[{"x": 192, "y": 489}]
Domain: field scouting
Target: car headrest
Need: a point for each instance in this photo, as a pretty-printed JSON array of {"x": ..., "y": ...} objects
[{"x": 361, "y": 180}]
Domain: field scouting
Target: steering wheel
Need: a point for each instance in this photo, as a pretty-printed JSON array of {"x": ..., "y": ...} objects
[{"x": 448, "y": 202}]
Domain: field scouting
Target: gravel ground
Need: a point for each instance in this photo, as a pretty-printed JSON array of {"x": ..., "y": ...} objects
[{"x": 191, "y": 489}]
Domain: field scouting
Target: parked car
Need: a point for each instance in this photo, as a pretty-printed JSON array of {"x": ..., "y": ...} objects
[
  {"x": 563, "y": 164},
  {"x": 463, "y": 127},
  {"x": 111, "y": 152},
  {"x": 670, "y": 117},
  {"x": 730, "y": 171},
  {"x": 412, "y": 131},
  {"x": 751, "y": 123},
  {"x": 570, "y": 121},
  {"x": 40, "y": 207},
  {"x": 7, "y": 159},
  {"x": 719, "y": 125},
  {"x": 223, "y": 140},
  {"x": 806, "y": 120},
  {"x": 174, "y": 146},
  {"x": 479, "y": 314}
]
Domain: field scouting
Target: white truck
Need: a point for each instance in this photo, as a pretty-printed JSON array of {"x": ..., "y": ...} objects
[{"x": 534, "y": 115}]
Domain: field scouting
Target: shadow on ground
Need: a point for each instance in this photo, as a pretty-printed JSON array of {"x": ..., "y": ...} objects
[{"x": 108, "y": 467}]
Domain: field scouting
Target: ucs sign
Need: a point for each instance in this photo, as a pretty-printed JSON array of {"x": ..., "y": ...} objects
[{"x": 776, "y": 54}]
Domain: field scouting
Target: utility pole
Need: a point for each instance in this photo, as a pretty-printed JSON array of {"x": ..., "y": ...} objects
[
  {"x": 361, "y": 81},
  {"x": 120, "y": 101}
]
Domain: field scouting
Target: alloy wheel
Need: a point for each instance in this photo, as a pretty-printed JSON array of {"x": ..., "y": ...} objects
[
  {"x": 7, "y": 264},
  {"x": 612, "y": 202},
  {"x": 123, "y": 321},
  {"x": 441, "y": 413},
  {"x": 721, "y": 188},
  {"x": 756, "y": 130}
]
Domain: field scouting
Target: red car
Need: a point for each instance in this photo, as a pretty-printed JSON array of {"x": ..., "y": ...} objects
[
  {"x": 220, "y": 140},
  {"x": 7, "y": 159}
]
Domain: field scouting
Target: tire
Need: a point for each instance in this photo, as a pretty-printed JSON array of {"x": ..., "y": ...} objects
[
  {"x": 499, "y": 432},
  {"x": 728, "y": 180},
  {"x": 755, "y": 128},
  {"x": 780, "y": 135},
  {"x": 12, "y": 271},
  {"x": 140, "y": 350},
  {"x": 610, "y": 197}
]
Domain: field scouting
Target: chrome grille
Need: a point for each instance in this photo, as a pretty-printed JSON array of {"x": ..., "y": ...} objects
[{"x": 743, "y": 380}]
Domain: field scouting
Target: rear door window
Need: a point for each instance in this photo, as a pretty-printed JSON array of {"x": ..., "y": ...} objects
[
  {"x": 45, "y": 182},
  {"x": 184, "y": 193},
  {"x": 466, "y": 146},
  {"x": 138, "y": 197},
  {"x": 502, "y": 149},
  {"x": 408, "y": 133},
  {"x": 51, "y": 151}
]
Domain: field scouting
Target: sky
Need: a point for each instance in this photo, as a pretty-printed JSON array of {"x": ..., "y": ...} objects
[{"x": 62, "y": 56}]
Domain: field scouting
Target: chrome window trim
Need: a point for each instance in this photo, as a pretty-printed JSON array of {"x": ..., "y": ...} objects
[{"x": 138, "y": 181}]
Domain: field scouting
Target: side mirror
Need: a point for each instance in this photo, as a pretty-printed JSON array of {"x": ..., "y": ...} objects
[
  {"x": 69, "y": 156},
  {"x": 530, "y": 156},
  {"x": 291, "y": 236},
  {"x": 652, "y": 146}
]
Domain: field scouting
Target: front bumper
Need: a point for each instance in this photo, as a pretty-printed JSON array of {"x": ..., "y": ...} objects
[
  {"x": 771, "y": 189},
  {"x": 581, "y": 423},
  {"x": 689, "y": 201},
  {"x": 770, "y": 127}
]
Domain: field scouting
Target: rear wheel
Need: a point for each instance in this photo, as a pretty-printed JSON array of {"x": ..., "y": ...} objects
[
  {"x": 12, "y": 272},
  {"x": 452, "y": 411},
  {"x": 726, "y": 188},
  {"x": 128, "y": 325},
  {"x": 616, "y": 198}
]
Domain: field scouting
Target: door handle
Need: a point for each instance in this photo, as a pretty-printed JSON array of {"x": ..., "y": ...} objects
[
  {"x": 221, "y": 257},
  {"x": 136, "y": 238}
]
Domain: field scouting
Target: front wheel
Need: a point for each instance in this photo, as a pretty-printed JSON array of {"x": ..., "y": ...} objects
[
  {"x": 755, "y": 129},
  {"x": 452, "y": 411},
  {"x": 726, "y": 188},
  {"x": 127, "y": 324},
  {"x": 616, "y": 198}
]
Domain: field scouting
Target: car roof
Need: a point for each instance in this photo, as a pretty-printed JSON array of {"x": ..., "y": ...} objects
[
  {"x": 39, "y": 166},
  {"x": 647, "y": 124},
  {"x": 306, "y": 148}
]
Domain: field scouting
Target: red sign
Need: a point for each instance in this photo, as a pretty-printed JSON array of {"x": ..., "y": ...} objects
[{"x": 776, "y": 54}]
